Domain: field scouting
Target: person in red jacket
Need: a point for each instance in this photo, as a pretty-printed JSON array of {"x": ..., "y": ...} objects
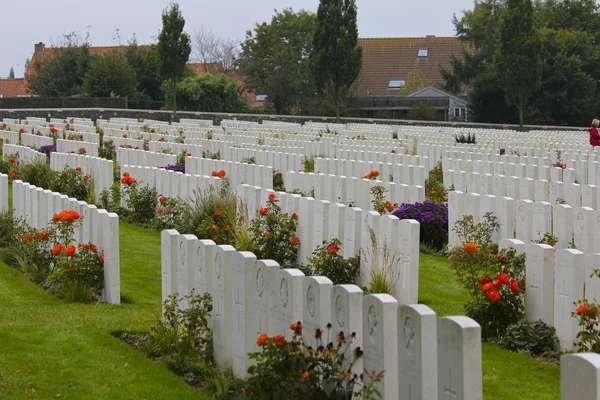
[{"x": 594, "y": 135}]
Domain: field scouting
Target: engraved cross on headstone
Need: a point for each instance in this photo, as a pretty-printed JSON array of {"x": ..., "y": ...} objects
[
  {"x": 563, "y": 300},
  {"x": 450, "y": 394}
]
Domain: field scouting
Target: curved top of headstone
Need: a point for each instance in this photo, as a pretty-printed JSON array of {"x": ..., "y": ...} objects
[{"x": 461, "y": 321}]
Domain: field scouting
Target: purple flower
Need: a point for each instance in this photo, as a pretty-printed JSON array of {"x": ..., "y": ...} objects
[
  {"x": 47, "y": 149},
  {"x": 175, "y": 167},
  {"x": 432, "y": 217}
]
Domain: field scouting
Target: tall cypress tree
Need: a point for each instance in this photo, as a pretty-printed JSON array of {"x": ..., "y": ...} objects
[
  {"x": 11, "y": 74},
  {"x": 518, "y": 55},
  {"x": 336, "y": 58},
  {"x": 173, "y": 49}
]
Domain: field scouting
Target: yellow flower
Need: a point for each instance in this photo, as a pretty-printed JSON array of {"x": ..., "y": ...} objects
[
  {"x": 347, "y": 373},
  {"x": 304, "y": 375}
]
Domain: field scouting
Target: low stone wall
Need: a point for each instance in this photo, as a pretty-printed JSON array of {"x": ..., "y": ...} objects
[{"x": 98, "y": 113}]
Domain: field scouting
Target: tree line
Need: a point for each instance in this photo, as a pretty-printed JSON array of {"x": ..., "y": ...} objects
[
  {"x": 300, "y": 61},
  {"x": 535, "y": 62}
]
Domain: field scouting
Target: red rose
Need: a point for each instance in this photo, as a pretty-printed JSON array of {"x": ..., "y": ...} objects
[
  {"x": 264, "y": 211},
  {"x": 502, "y": 277},
  {"x": 485, "y": 279},
  {"x": 514, "y": 286},
  {"x": 56, "y": 250},
  {"x": 333, "y": 249},
  {"x": 70, "y": 250},
  {"x": 494, "y": 296},
  {"x": 272, "y": 197},
  {"x": 159, "y": 211},
  {"x": 295, "y": 241},
  {"x": 217, "y": 213},
  {"x": 583, "y": 309},
  {"x": 496, "y": 283},
  {"x": 294, "y": 216},
  {"x": 486, "y": 287},
  {"x": 262, "y": 339}
]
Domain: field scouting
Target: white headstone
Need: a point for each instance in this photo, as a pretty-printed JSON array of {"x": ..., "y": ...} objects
[
  {"x": 539, "y": 296},
  {"x": 568, "y": 287}
]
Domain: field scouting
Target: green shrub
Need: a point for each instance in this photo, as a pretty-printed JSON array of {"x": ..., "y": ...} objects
[
  {"x": 327, "y": 261},
  {"x": 212, "y": 216},
  {"x": 534, "y": 338},
  {"x": 108, "y": 150},
  {"x": 468, "y": 139},
  {"x": 38, "y": 174},
  {"x": 182, "y": 339},
  {"x": 73, "y": 183},
  {"x": 278, "y": 185}
]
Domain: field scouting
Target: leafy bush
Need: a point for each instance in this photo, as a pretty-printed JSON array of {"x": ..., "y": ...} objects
[
  {"x": 141, "y": 201},
  {"x": 293, "y": 370},
  {"x": 434, "y": 185},
  {"x": 212, "y": 216},
  {"x": 380, "y": 204},
  {"x": 73, "y": 183},
  {"x": 494, "y": 281},
  {"x": 533, "y": 338},
  {"x": 278, "y": 185},
  {"x": 433, "y": 220},
  {"x": 182, "y": 339},
  {"x": 327, "y": 261},
  {"x": 468, "y": 139},
  {"x": 309, "y": 164},
  {"x": 108, "y": 150},
  {"x": 170, "y": 214},
  {"x": 274, "y": 233},
  {"x": 39, "y": 174},
  {"x": 588, "y": 338}
]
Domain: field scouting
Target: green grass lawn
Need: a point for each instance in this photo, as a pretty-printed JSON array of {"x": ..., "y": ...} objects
[{"x": 51, "y": 349}]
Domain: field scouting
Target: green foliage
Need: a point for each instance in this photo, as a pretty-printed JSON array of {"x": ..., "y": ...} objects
[
  {"x": 38, "y": 174},
  {"x": 212, "y": 216},
  {"x": 173, "y": 50},
  {"x": 108, "y": 150},
  {"x": 421, "y": 111},
  {"x": 384, "y": 266},
  {"x": 295, "y": 371},
  {"x": 144, "y": 62},
  {"x": 274, "y": 59},
  {"x": 434, "y": 185},
  {"x": 309, "y": 164},
  {"x": 517, "y": 58},
  {"x": 249, "y": 160},
  {"x": 170, "y": 214},
  {"x": 278, "y": 184},
  {"x": 11, "y": 73},
  {"x": 336, "y": 58},
  {"x": 141, "y": 202},
  {"x": 182, "y": 339},
  {"x": 63, "y": 74},
  {"x": 275, "y": 234},
  {"x": 109, "y": 76},
  {"x": 211, "y": 93},
  {"x": 72, "y": 183},
  {"x": 533, "y": 338},
  {"x": 327, "y": 261}
]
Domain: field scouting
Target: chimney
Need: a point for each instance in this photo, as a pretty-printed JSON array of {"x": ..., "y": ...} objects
[{"x": 39, "y": 47}]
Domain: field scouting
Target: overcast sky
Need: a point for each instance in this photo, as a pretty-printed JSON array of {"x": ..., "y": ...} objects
[{"x": 26, "y": 22}]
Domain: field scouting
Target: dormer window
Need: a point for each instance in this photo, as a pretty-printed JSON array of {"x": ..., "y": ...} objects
[
  {"x": 396, "y": 84},
  {"x": 423, "y": 52}
]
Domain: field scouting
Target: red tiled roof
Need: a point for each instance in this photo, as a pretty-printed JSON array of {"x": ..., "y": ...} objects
[
  {"x": 13, "y": 87},
  {"x": 386, "y": 59}
]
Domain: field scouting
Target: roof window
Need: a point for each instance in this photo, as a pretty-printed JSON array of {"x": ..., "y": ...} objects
[
  {"x": 423, "y": 52},
  {"x": 396, "y": 84}
]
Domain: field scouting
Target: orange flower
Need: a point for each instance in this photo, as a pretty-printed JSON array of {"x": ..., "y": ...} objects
[
  {"x": 500, "y": 258},
  {"x": 159, "y": 211},
  {"x": 12, "y": 160},
  {"x": 304, "y": 375},
  {"x": 56, "y": 250},
  {"x": 262, "y": 339},
  {"x": 294, "y": 216},
  {"x": 583, "y": 309},
  {"x": 494, "y": 296},
  {"x": 124, "y": 136},
  {"x": 26, "y": 238},
  {"x": 393, "y": 151},
  {"x": 333, "y": 249},
  {"x": 44, "y": 235},
  {"x": 502, "y": 277},
  {"x": 297, "y": 327},
  {"x": 487, "y": 287},
  {"x": 213, "y": 227},
  {"x": 433, "y": 192},
  {"x": 162, "y": 200},
  {"x": 217, "y": 213},
  {"x": 264, "y": 211},
  {"x": 70, "y": 250},
  {"x": 267, "y": 233},
  {"x": 381, "y": 209},
  {"x": 227, "y": 228},
  {"x": 280, "y": 339},
  {"x": 93, "y": 247},
  {"x": 471, "y": 247},
  {"x": 496, "y": 283},
  {"x": 86, "y": 178},
  {"x": 22, "y": 130},
  {"x": 101, "y": 258},
  {"x": 78, "y": 169},
  {"x": 485, "y": 279},
  {"x": 272, "y": 197},
  {"x": 66, "y": 216},
  {"x": 189, "y": 154},
  {"x": 514, "y": 286},
  {"x": 295, "y": 241}
]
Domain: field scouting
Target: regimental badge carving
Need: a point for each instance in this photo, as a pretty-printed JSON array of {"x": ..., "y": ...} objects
[
  {"x": 521, "y": 213},
  {"x": 580, "y": 221}
]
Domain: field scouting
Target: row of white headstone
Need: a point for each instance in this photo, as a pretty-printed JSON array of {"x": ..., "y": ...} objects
[
  {"x": 36, "y": 207},
  {"x": 423, "y": 357},
  {"x": 529, "y": 221},
  {"x": 25, "y": 154},
  {"x": 320, "y": 220}
]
